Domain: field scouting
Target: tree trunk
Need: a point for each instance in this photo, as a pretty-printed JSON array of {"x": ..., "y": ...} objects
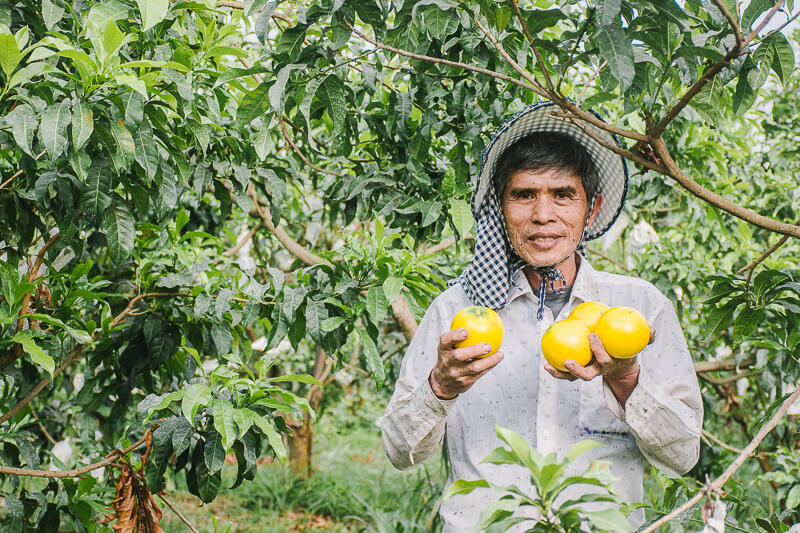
[{"x": 299, "y": 444}]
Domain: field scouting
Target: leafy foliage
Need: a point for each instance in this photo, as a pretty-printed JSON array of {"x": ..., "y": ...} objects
[{"x": 550, "y": 477}]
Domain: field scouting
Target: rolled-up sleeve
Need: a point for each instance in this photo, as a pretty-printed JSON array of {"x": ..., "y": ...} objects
[{"x": 415, "y": 419}]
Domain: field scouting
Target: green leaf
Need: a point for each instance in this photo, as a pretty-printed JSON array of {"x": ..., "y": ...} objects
[
  {"x": 299, "y": 378},
  {"x": 392, "y": 287},
  {"x": 274, "y": 439},
  {"x": 376, "y": 304},
  {"x": 197, "y": 396},
  {"x": 462, "y": 486},
  {"x": 207, "y": 483},
  {"x": 719, "y": 319},
  {"x": 520, "y": 447},
  {"x": 276, "y": 92},
  {"x": 775, "y": 53},
  {"x": 96, "y": 195},
  {"x": 160, "y": 452},
  {"x": 608, "y": 12},
  {"x": 793, "y": 498},
  {"x": 252, "y": 6},
  {"x": 23, "y": 122},
  {"x": 462, "y": 216},
  {"x": 53, "y": 130},
  {"x": 315, "y": 314},
  {"x": 214, "y": 453},
  {"x": 102, "y": 13},
  {"x": 608, "y": 520},
  {"x": 331, "y": 95},
  {"x": 152, "y": 11},
  {"x": 746, "y": 322},
  {"x": 332, "y": 324},
  {"x": 754, "y": 9},
  {"x": 438, "y": 22},
  {"x": 38, "y": 356},
  {"x": 181, "y": 436},
  {"x": 430, "y": 209},
  {"x": 82, "y": 124},
  {"x": 582, "y": 447},
  {"x": 146, "y": 151},
  {"x": 254, "y": 104},
  {"x": 291, "y": 41},
  {"x": 744, "y": 97},
  {"x": 10, "y": 55},
  {"x": 51, "y": 13},
  {"x": 374, "y": 361},
  {"x": 616, "y": 48},
  {"x": 120, "y": 229}
]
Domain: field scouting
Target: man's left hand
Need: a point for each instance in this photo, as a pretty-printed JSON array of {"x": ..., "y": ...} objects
[{"x": 622, "y": 375}]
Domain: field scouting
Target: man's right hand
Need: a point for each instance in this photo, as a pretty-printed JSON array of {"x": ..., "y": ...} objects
[{"x": 457, "y": 369}]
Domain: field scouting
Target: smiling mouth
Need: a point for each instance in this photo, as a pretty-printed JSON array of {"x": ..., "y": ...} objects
[{"x": 543, "y": 240}]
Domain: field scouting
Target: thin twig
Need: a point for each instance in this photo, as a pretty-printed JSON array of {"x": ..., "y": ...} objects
[
  {"x": 719, "y": 443},
  {"x": 443, "y": 61},
  {"x": 19, "y": 172},
  {"x": 291, "y": 143},
  {"x": 596, "y": 71},
  {"x": 717, "y": 484},
  {"x": 610, "y": 260},
  {"x": 536, "y": 52},
  {"x": 175, "y": 510},
  {"x": 733, "y": 21},
  {"x": 768, "y": 253},
  {"x": 730, "y": 379},
  {"x": 764, "y": 22},
  {"x": 109, "y": 459},
  {"x": 717, "y": 366},
  {"x": 239, "y": 245},
  {"x": 44, "y": 429}
]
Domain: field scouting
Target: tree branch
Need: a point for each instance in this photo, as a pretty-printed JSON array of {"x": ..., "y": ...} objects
[
  {"x": 109, "y": 459},
  {"x": 768, "y": 253},
  {"x": 733, "y": 21},
  {"x": 719, "y": 443},
  {"x": 291, "y": 143},
  {"x": 162, "y": 495},
  {"x": 527, "y": 32},
  {"x": 442, "y": 61},
  {"x": 716, "y": 366},
  {"x": 717, "y": 484},
  {"x": 19, "y": 172},
  {"x": 764, "y": 22},
  {"x": 717, "y": 200}
]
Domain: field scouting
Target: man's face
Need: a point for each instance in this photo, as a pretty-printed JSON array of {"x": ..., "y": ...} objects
[{"x": 545, "y": 212}]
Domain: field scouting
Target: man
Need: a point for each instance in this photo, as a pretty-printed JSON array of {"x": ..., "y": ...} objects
[{"x": 545, "y": 188}]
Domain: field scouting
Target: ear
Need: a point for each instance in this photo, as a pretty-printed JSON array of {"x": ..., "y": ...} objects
[{"x": 597, "y": 204}]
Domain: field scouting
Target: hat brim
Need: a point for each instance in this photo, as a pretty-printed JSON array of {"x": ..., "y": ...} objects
[{"x": 611, "y": 167}]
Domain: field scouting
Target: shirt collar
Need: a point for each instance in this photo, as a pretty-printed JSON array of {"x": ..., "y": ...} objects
[{"x": 586, "y": 287}]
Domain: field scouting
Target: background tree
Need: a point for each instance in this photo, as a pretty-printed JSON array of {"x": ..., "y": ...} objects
[{"x": 211, "y": 210}]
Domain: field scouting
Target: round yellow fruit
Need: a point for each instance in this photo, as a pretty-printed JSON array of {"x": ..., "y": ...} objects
[
  {"x": 566, "y": 339},
  {"x": 483, "y": 325},
  {"x": 623, "y": 331},
  {"x": 587, "y": 314}
]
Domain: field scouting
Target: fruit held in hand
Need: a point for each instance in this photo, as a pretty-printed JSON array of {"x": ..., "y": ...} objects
[
  {"x": 483, "y": 325},
  {"x": 623, "y": 331},
  {"x": 566, "y": 339},
  {"x": 588, "y": 313}
]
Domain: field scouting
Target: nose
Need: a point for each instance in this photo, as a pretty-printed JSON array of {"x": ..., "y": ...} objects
[{"x": 543, "y": 210}]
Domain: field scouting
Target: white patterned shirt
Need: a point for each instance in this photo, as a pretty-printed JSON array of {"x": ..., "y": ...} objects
[{"x": 660, "y": 421}]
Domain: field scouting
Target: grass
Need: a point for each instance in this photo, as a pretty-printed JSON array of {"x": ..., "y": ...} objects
[{"x": 352, "y": 487}]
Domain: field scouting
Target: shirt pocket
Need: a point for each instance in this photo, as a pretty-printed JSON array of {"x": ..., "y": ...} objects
[{"x": 596, "y": 419}]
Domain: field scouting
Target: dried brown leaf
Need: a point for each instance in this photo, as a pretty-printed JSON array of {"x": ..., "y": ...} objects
[{"x": 134, "y": 508}]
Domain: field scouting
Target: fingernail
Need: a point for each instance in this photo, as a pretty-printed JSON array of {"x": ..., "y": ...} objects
[
  {"x": 487, "y": 347},
  {"x": 569, "y": 365}
]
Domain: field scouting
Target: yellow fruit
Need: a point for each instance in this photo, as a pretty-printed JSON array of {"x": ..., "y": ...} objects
[
  {"x": 623, "y": 331},
  {"x": 587, "y": 314},
  {"x": 566, "y": 339},
  {"x": 483, "y": 325}
]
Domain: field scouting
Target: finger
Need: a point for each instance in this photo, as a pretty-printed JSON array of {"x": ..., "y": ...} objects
[
  {"x": 652, "y": 335},
  {"x": 599, "y": 350},
  {"x": 586, "y": 373},
  {"x": 556, "y": 373},
  {"x": 448, "y": 339},
  {"x": 466, "y": 353},
  {"x": 483, "y": 365}
]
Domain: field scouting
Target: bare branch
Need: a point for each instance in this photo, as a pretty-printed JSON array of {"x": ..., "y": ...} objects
[
  {"x": 586, "y": 85},
  {"x": 768, "y": 253},
  {"x": 109, "y": 459},
  {"x": 603, "y": 256},
  {"x": 177, "y": 512},
  {"x": 19, "y": 172},
  {"x": 719, "y": 443},
  {"x": 239, "y": 245},
  {"x": 442, "y": 61},
  {"x": 291, "y": 143},
  {"x": 730, "y": 379},
  {"x": 717, "y": 200},
  {"x": 536, "y": 52},
  {"x": 717, "y": 366},
  {"x": 764, "y": 22},
  {"x": 733, "y": 21},
  {"x": 717, "y": 484}
]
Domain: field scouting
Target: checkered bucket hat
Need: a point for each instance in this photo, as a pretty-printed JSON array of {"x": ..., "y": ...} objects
[{"x": 487, "y": 279}]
